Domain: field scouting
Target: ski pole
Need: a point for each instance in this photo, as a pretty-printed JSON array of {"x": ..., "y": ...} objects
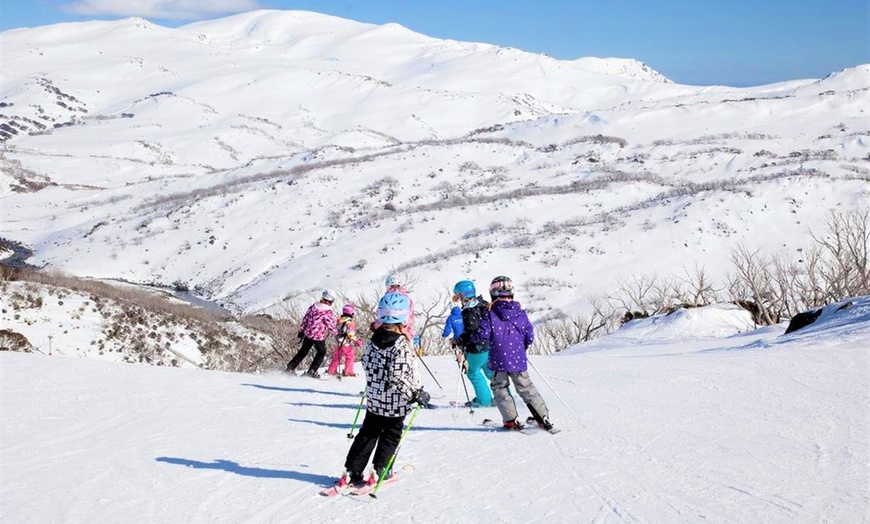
[
  {"x": 398, "y": 447},
  {"x": 554, "y": 391},
  {"x": 430, "y": 371},
  {"x": 356, "y": 418},
  {"x": 467, "y": 396},
  {"x": 458, "y": 392}
]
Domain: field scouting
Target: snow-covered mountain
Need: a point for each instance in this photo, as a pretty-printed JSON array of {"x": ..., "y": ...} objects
[
  {"x": 267, "y": 154},
  {"x": 755, "y": 427}
]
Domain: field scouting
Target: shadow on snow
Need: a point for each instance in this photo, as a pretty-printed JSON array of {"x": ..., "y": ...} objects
[
  {"x": 235, "y": 467},
  {"x": 304, "y": 390},
  {"x": 316, "y": 405}
]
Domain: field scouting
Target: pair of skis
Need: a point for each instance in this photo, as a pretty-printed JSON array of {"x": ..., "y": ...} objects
[
  {"x": 529, "y": 428},
  {"x": 367, "y": 489}
]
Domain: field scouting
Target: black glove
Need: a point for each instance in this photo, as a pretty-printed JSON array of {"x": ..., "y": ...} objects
[
  {"x": 301, "y": 335},
  {"x": 463, "y": 340},
  {"x": 421, "y": 397}
]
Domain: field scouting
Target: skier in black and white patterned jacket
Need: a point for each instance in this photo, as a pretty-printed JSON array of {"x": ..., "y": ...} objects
[{"x": 392, "y": 389}]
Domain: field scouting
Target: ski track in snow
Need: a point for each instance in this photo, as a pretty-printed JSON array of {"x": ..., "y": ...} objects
[{"x": 666, "y": 434}]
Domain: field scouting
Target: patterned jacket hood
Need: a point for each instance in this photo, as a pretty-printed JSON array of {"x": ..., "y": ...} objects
[{"x": 383, "y": 338}]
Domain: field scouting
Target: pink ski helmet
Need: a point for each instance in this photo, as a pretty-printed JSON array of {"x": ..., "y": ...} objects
[{"x": 348, "y": 310}]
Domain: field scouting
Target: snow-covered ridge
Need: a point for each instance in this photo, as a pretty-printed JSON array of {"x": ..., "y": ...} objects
[
  {"x": 265, "y": 155},
  {"x": 316, "y": 36},
  {"x": 624, "y": 67}
]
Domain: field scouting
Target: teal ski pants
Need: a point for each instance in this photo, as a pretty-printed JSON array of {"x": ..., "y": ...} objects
[{"x": 479, "y": 375}]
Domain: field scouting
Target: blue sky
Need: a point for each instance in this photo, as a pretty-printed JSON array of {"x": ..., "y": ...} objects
[{"x": 702, "y": 42}]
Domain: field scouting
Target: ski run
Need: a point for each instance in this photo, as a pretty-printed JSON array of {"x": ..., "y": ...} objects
[{"x": 755, "y": 427}]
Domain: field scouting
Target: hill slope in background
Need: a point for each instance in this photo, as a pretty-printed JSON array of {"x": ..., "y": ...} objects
[
  {"x": 264, "y": 155},
  {"x": 751, "y": 428}
]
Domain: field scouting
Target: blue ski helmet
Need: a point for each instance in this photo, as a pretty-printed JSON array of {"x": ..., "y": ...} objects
[
  {"x": 465, "y": 288},
  {"x": 394, "y": 308}
]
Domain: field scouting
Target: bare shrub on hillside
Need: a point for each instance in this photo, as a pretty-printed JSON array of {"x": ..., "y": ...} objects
[
  {"x": 695, "y": 288},
  {"x": 845, "y": 248},
  {"x": 642, "y": 296},
  {"x": 860, "y": 172},
  {"x": 14, "y": 341},
  {"x": 468, "y": 247},
  {"x": 281, "y": 331},
  {"x": 753, "y": 286},
  {"x": 706, "y": 139},
  {"x": 561, "y": 331},
  {"x": 597, "y": 139},
  {"x": 430, "y": 321},
  {"x": 492, "y": 227},
  {"x": 143, "y": 325},
  {"x": 8, "y": 273},
  {"x": 834, "y": 268},
  {"x": 150, "y": 301}
]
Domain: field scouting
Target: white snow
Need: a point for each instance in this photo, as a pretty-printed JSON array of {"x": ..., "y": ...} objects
[
  {"x": 269, "y": 154},
  {"x": 243, "y": 155},
  {"x": 749, "y": 428}
]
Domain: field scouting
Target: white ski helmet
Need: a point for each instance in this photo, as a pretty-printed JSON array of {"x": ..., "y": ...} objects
[
  {"x": 394, "y": 280},
  {"x": 328, "y": 294}
]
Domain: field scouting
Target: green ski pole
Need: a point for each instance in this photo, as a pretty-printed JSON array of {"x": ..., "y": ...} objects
[
  {"x": 356, "y": 418},
  {"x": 373, "y": 494}
]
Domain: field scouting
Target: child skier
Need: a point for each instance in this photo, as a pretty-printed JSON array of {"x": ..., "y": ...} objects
[
  {"x": 473, "y": 354},
  {"x": 507, "y": 329},
  {"x": 317, "y": 324},
  {"x": 347, "y": 341},
  {"x": 392, "y": 387}
]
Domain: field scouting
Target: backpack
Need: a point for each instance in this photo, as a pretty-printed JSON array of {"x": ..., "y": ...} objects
[{"x": 471, "y": 321}]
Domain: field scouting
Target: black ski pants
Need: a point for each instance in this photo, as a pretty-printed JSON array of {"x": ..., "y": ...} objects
[
  {"x": 319, "y": 354},
  {"x": 384, "y": 432}
]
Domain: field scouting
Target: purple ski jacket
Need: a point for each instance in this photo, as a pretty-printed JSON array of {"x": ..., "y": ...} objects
[{"x": 507, "y": 329}]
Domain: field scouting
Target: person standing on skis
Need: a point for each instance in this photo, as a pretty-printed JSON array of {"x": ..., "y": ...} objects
[
  {"x": 392, "y": 388},
  {"x": 347, "y": 341},
  {"x": 509, "y": 333},
  {"x": 317, "y": 324},
  {"x": 473, "y": 355}
]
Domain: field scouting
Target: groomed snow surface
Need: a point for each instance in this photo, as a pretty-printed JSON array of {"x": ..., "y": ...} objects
[{"x": 754, "y": 427}]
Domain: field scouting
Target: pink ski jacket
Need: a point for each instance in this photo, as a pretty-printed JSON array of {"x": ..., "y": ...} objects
[{"x": 318, "y": 322}]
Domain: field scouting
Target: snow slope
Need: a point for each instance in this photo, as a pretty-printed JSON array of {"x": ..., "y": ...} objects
[
  {"x": 749, "y": 428},
  {"x": 271, "y": 153}
]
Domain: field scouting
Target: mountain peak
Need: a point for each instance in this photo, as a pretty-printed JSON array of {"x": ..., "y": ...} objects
[{"x": 622, "y": 67}]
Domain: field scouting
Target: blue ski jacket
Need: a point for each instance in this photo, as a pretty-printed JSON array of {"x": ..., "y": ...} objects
[{"x": 453, "y": 324}]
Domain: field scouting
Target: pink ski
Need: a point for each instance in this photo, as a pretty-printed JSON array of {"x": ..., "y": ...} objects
[
  {"x": 406, "y": 470},
  {"x": 333, "y": 491}
]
